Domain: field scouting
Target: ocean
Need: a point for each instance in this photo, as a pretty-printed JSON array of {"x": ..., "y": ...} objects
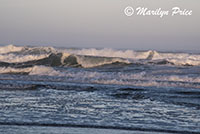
[{"x": 77, "y": 89}]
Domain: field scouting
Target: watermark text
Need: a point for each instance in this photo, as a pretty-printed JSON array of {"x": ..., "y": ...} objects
[{"x": 144, "y": 11}]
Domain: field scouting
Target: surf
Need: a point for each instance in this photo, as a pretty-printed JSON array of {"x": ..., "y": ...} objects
[{"x": 18, "y": 56}]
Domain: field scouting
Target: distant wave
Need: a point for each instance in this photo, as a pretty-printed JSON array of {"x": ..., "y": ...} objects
[
  {"x": 146, "y": 56},
  {"x": 13, "y": 56}
]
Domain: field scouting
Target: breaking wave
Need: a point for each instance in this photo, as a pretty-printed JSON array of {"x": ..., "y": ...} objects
[
  {"x": 143, "y": 79},
  {"x": 14, "y": 56},
  {"x": 146, "y": 56},
  {"x": 24, "y": 60}
]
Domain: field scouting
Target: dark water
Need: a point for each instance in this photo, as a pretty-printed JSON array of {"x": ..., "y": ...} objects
[{"x": 148, "y": 95}]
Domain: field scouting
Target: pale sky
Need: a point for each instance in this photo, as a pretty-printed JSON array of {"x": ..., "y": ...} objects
[{"x": 98, "y": 24}]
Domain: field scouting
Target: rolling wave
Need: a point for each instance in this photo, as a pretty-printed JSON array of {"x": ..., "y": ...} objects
[
  {"x": 13, "y": 56},
  {"x": 52, "y": 62},
  {"x": 141, "y": 79}
]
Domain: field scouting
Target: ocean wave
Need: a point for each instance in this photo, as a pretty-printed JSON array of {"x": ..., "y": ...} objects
[
  {"x": 87, "y": 58},
  {"x": 13, "y": 58},
  {"x": 88, "y": 61},
  {"x": 175, "y": 58},
  {"x": 35, "y": 70},
  {"x": 10, "y": 70},
  {"x": 25, "y": 49},
  {"x": 47, "y": 56},
  {"x": 143, "y": 78},
  {"x": 10, "y": 48}
]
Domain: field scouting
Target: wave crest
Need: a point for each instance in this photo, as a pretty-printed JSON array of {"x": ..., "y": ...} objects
[{"x": 49, "y": 56}]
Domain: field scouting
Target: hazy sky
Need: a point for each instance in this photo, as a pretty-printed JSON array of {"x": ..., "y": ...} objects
[{"x": 98, "y": 23}]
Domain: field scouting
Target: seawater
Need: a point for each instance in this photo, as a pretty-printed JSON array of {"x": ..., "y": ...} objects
[{"x": 120, "y": 89}]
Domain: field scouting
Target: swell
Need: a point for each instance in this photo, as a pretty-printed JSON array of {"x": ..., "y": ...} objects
[
  {"x": 180, "y": 59},
  {"x": 64, "y": 59},
  {"x": 13, "y": 56}
]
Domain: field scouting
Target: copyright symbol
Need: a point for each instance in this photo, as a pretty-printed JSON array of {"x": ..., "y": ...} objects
[{"x": 129, "y": 11}]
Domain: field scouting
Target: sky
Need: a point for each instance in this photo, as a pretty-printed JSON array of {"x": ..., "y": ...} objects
[{"x": 99, "y": 24}]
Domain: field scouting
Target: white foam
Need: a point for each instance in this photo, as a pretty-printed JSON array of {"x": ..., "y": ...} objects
[
  {"x": 179, "y": 58},
  {"x": 64, "y": 55},
  {"x": 14, "y": 58},
  {"x": 133, "y": 79},
  {"x": 34, "y": 53},
  {"x": 43, "y": 70},
  {"x": 14, "y": 70},
  {"x": 176, "y": 58},
  {"x": 24, "y": 54},
  {"x": 120, "y": 78},
  {"x": 88, "y": 62},
  {"x": 106, "y": 52},
  {"x": 35, "y": 70},
  {"x": 10, "y": 48}
]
